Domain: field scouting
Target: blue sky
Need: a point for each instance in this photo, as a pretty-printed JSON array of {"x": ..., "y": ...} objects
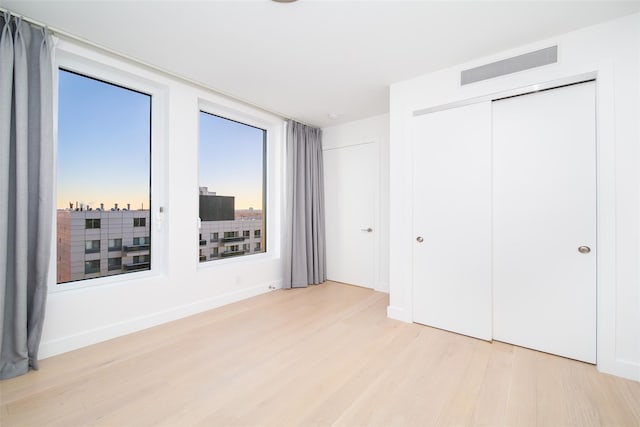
[
  {"x": 103, "y": 144},
  {"x": 104, "y": 139},
  {"x": 231, "y": 156}
]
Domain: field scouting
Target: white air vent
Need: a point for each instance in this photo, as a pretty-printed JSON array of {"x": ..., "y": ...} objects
[{"x": 523, "y": 62}]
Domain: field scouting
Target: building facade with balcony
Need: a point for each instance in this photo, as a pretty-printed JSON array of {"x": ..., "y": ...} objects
[
  {"x": 96, "y": 243},
  {"x": 223, "y": 239},
  {"x": 225, "y": 232}
]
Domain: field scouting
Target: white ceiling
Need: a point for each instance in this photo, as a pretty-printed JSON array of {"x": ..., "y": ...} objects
[{"x": 313, "y": 57}]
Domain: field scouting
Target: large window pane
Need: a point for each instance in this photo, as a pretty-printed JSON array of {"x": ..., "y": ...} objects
[
  {"x": 104, "y": 175},
  {"x": 232, "y": 183}
]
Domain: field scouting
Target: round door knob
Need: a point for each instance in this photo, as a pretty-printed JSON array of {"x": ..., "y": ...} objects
[
  {"x": 419, "y": 239},
  {"x": 584, "y": 249}
]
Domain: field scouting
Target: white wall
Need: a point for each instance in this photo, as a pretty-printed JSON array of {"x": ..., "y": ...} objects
[
  {"x": 612, "y": 51},
  {"x": 372, "y": 129},
  {"x": 83, "y": 313}
]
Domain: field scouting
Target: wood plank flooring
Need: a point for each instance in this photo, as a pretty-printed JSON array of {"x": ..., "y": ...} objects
[{"x": 322, "y": 356}]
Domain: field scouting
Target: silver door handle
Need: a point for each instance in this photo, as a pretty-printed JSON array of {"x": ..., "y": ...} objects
[
  {"x": 368, "y": 230},
  {"x": 584, "y": 249},
  {"x": 419, "y": 239}
]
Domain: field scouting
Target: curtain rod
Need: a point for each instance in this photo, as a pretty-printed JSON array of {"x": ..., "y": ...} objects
[{"x": 64, "y": 34}]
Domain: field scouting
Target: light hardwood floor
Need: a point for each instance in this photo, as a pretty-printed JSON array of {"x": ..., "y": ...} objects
[{"x": 326, "y": 355}]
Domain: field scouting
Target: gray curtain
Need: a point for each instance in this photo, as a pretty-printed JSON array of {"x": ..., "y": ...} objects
[
  {"x": 305, "y": 256},
  {"x": 26, "y": 188}
]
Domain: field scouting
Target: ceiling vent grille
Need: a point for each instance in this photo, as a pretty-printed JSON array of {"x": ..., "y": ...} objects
[{"x": 523, "y": 62}]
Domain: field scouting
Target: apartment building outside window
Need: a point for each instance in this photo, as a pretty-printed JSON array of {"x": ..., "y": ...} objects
[
  {"x": 232, "y": 182},
  {"x": 103, "y": 178}
]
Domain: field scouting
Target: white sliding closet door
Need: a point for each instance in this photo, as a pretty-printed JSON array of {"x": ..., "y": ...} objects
[
  {"x": 544, "y": 225},
  {"x": 452, "y": 220}
]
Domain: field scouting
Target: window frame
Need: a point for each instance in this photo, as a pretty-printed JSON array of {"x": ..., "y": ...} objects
[
  {"x": 109, "y": 266},
  {"x": 271, "y": 185},
  {"x": 92, "y": 222},
  {"x": 92, "y": 261},
  {"x": 93, "y": 249},
  {"x": 92, "y": 66},
  {"x": 114, "y": 248}
]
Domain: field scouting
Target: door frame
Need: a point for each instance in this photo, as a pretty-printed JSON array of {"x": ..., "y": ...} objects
[
  {"x": 603, "y": 74},
  {"x": 376, "y": 284}
]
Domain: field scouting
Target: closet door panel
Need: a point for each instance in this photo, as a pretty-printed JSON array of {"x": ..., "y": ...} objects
[
  {"x": 451, "y": 246},
  {"x": 544, "y": 221}
]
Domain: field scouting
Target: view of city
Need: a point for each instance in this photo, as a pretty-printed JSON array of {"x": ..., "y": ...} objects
[
  {"x": 103, "y": 186},
  {"x": 231, "y": 218}
]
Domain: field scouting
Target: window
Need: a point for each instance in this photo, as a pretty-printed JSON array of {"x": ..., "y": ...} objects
[
  {"x": 91, "y": 223},
  {"x": 115, "y": 244},
  {"x": 257, "y": 248},
  {"x": 231, "y": 180},
  {"x": 92, "y": 246},
  {"x": 141, "y": 259},
  {"x": 103, "y": 172},
  {"x": 214, "y": 237},
  {"x": 92, "y": 267},
  {"x": 115, "y": 264},
  {"x": 214, "y": 252},
  {"x": 256, "y": 233},
  {"x": 245, "y": 247},
  {"x": 141, "y": 241}
]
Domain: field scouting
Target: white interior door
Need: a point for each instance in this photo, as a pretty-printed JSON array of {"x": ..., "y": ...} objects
[
  {"x": 452, "y": 220},
  {"x": 350, "y": 177},
  {"x": 544, "y": 200}
]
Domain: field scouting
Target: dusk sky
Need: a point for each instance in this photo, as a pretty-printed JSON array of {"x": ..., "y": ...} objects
[
  {"x": 103, "y": 144},
  {"x": 104, "y": 149},
  {"x": 231, "y": 160}
]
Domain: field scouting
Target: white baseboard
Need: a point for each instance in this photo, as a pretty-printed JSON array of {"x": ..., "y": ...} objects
[
  {"x": 621, "y": 368},
  {"x": 397, "y": 313},
  {"x": 114, "y": 330},
  {"x": 382, "y": 287}
]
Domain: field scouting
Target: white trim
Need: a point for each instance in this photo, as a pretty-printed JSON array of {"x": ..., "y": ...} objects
[
  {"x": 398, "y": 313},
  {"x": 376, "y": 284},
  {"x": 126, "y": 303},
  {"x": 273, "y": 175},
  {"x": 603, "y": 72},
  {"x": 580, "y": 78},
  {"x": 59, "y": 34},
  {"x": 74, "y": 342},
  {"x": 67, "y": 59}
]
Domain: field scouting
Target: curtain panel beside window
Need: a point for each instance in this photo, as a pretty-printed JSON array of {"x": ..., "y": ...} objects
[
  {"x": 305, "y": 253},
  {"x": 26, "y": 190}
]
